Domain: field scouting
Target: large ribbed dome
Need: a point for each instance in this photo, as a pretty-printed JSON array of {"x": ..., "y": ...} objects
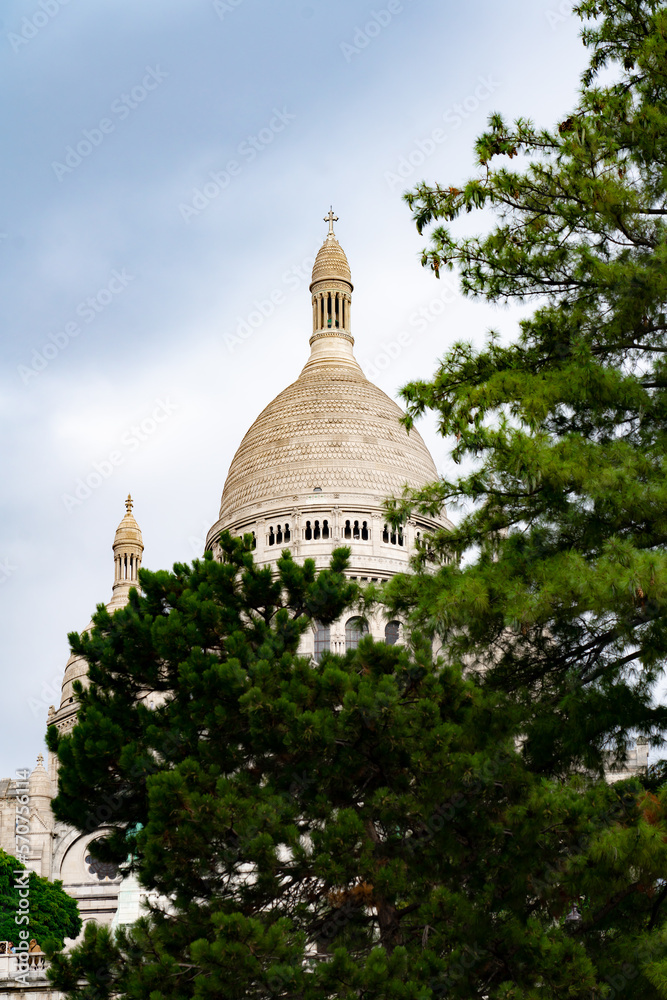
[
  {"x": 328, "y": 451},
  {"x": 331, "y": 430}
]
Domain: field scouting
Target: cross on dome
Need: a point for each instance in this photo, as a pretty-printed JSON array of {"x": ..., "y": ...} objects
[{"x": 331, "y": 218}]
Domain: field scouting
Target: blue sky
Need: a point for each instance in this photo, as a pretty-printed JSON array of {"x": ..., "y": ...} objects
[{"x": 166, "y": 168}]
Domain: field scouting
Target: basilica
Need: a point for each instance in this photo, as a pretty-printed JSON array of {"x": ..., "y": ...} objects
[{"x": 311, "y": 474}]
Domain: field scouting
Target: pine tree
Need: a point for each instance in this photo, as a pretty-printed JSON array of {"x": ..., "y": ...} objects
[
  {"x": 556, "y": 575},
  {"x": 362, "y": 826}
]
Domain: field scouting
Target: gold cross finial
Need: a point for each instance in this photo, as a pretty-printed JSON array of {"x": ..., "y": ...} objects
[
  {"x": 331, "y": 218},
  {"x": 128, "y": 504}
]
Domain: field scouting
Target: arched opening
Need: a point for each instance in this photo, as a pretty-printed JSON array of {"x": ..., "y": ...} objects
[
  {"x": 279, "y": 534},
  {"x": 385, "y": 534},
  {"x": 287, "y": 533},
  {"x": 322, "y": 640},
  {"x": 365, "y": 533},
  {"x": 316, "y": 530},
  {"x": 308, "y": 534},
  {"x": 348, "y": 530},
  {"x": 325, "y": 529},
  {"x": 272, "y": 537},
  {"x": 392, "y": 633},
  {"x": 355, "y": 530},
  {"x": 354, "y": 629}
]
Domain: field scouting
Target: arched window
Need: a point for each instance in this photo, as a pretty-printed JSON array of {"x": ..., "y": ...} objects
[
  {"x": 365, "y": 533},
  {"x": 392, "y": 537},
  {"x": 316, "y": 532},
  {"x": 385, "y": 533},
  {"x": 355, "y": 530},
  {"x": 279, "y": 534},
  {"x": 287, "y": 533},
  {"x": 400, "y": 534},
  {"x": 325, "y": 529},
  {"x": 272, "y": 537},
  {"x": 322, "y": 640},
  {"x": 392, "y": 633},
  {"x": 348, "y": 530},
  {"x": 354, "y": 629},
  {"x": 254, "y": 540},
  {"x": 309, "y": 532}
]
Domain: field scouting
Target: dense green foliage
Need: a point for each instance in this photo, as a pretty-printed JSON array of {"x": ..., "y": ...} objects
[
  {"x": 366, "y": 825},
  {"x": 53, "y": 914},
  {"x": 562, "y": 585}
]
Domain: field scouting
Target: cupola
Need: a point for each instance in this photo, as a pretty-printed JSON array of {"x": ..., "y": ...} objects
[
  {"x": 331, "y": 287},
  {"x": 128, "y": 547}
]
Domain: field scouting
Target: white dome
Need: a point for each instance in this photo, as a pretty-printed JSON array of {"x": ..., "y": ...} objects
[
  {"x": 332, "y": 431},
  {"x": 319, "y": 462}
]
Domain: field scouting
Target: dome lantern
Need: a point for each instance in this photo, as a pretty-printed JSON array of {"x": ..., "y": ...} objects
[
  {"x": 128, "y": 547},
  {"x": 331, "y": 288}
]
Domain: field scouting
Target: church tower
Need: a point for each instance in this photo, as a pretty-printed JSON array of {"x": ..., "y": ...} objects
[
  {"x": 94, "y": 885},
  {"x": 128, "y": 547}
]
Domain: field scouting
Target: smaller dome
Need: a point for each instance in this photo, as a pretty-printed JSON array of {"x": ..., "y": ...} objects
[
  {"x": 128, "y": 531},
  {"x": 39, "y": 782},
  {"x": 331, "y": 263}
]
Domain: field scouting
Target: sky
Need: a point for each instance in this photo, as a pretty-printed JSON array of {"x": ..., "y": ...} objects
[{"x": 166, "y": 168}]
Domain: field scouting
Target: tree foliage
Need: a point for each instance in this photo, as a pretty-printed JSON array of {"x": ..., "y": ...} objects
[
  {"x": 362, "y": 826},
  {"x": 53, "y": 915},
  {"x": 557, "y": 574}
]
